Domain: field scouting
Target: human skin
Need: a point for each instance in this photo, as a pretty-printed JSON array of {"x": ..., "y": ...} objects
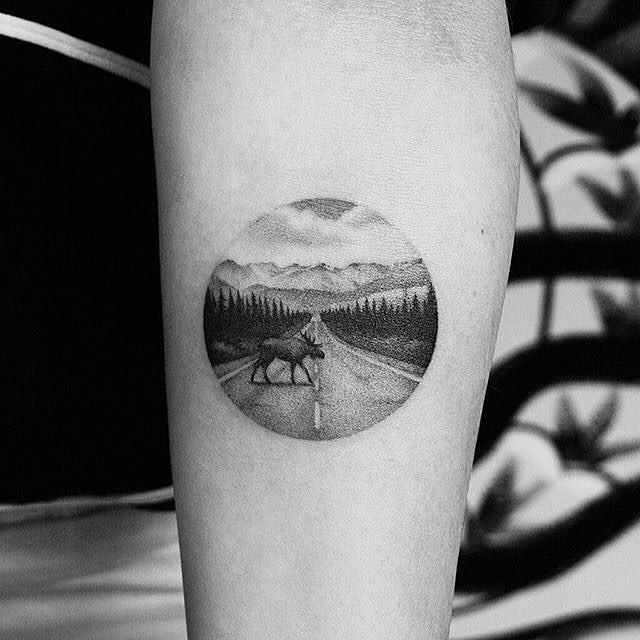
[{"x": 405, "y": 106}]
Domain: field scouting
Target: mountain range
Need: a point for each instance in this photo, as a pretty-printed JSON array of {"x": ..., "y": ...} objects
[{"x": 319, "y": 286}]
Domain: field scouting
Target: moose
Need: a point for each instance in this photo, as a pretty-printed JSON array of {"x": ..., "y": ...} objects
[{"x": 291, "y": 350}]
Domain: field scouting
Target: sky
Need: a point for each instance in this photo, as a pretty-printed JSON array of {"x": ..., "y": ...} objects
[{"x": 313, "y": 231}]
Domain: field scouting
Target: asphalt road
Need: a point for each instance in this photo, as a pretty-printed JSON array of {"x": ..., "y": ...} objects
[{"x": 353, "y": 389}]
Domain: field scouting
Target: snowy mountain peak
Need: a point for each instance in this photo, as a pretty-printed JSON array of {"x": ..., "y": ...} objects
[{"x": 321, "y": 277}]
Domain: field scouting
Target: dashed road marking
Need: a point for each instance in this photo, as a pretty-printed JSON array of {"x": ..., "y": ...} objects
[
  {"x": 316, "y": 381},
  {"x": 316, "y": 376}
]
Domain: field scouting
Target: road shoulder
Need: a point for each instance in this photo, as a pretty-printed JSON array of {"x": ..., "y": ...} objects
[
  {"x": 233, "y": 365},
  {"x": 406, "y": 367}
]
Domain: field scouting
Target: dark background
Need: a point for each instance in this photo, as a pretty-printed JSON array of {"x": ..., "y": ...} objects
[{"x": 83, "y": 406}]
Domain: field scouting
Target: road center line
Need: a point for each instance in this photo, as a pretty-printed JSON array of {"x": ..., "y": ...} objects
[{"x": 316, "y": 380}]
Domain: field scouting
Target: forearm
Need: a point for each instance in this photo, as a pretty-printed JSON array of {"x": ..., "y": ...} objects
[{"x": 329, "y": 507}]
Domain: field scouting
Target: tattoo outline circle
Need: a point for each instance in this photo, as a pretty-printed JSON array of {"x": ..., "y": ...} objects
[{"x": 322, "y": 319}]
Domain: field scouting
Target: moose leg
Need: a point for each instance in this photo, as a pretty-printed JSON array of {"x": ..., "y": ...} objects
[
  {"x": 265, "y": 365},
  {"x": 256, "y": 366},
  {"x": 306, "y": 371}
]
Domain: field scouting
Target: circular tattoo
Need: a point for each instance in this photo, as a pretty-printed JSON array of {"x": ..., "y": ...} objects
[{"x": 322, "y": 320}]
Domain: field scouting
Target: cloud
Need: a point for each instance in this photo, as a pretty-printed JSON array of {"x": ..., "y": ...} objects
[
  {"x": 363, "y": 216},
  {"x": 297, "y": 234},
  {"x": 324, "y": 207}
]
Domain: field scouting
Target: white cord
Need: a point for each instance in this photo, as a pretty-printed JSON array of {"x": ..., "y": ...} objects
[{"x": 35, "y": 33}]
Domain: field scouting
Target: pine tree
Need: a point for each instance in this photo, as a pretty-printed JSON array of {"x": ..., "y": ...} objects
[
  {"x": 231, "y": 311},
  {"x": 210, "y": 311},
  {"x": 415, "y": 306},
  {"x": 221, "y": 303}
]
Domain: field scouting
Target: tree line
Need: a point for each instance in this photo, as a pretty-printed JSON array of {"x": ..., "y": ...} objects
[
  {"x": 231, "y": 318},
  {"x": 411, "y": 319}
]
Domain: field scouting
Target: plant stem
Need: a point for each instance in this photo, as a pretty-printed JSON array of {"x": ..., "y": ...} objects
[
  {"x": 544, "y": 207},
  {"x": 568, "y": 150}
]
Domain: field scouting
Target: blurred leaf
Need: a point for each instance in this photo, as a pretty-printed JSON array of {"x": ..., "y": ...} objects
[
  {"x": 561, "y": 106},
  {"x": 594, "y": 111},
  {"x": 607, "y": 307},
  {"x": 629, "y": 121},
  {"x": 596, "y": 93},
  {"x": 617, "y": 128},
  {"x": 620, "y": 320},
  {"x": 616, "y": 450},
  {"x": 569, "y": 437},
  {"x": 602, "y": 419},
  {"x": 499, "y": 501},
  {"x": 566, "y": 419},
  {"x": 622, "y": 206},
  {"x": 633, "y": 306},
  {"x": 579, "y": 442}
]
